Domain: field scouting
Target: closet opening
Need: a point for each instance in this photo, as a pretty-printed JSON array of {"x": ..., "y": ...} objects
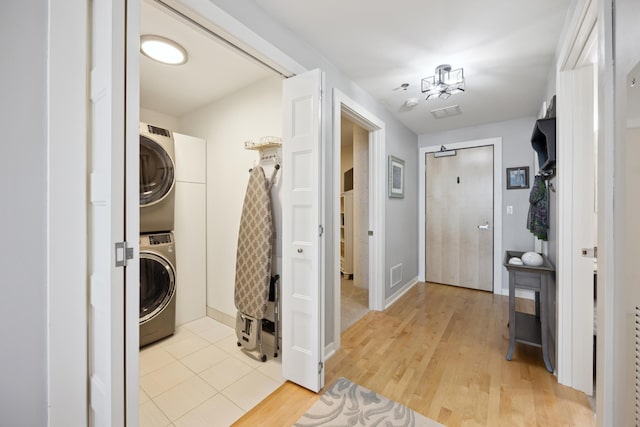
[{"x": 210, "y": 114}]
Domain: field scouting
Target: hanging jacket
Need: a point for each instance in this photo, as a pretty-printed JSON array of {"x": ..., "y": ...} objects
[{"x": 538, "y": 218}]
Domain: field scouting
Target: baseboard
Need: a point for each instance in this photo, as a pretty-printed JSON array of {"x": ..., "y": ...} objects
[
  {"x": 329, "y": 351},
  {"x": 221, "y": 317},
  {"x": 405, "y": 288}
]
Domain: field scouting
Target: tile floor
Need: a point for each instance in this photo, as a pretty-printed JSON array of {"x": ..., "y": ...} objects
[
  {"x": 354, "y": 303},
  {"x": 199, "y": 377}
]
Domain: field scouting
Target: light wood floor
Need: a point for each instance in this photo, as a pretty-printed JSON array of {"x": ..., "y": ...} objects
[{"x": 440, "y": 350}]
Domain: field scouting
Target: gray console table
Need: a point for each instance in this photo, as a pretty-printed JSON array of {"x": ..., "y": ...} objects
[{"x": 533, "y": 329}]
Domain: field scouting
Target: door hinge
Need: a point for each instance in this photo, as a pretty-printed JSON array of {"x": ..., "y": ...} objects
[
  {"x": 320, "y": 367},
  {"x": 320, "y": 230},
  {"x": 123, "y": 253}
]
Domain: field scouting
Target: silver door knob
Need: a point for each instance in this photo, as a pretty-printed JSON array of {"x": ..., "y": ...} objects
[
  {"x": 299, "y": 250},
  {"x": 484, "y": 227}
]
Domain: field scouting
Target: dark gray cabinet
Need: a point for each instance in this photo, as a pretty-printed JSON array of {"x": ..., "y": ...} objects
[{"x": 537, "y": 329}]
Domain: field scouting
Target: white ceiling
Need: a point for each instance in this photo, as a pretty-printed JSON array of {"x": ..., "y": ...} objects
[
  {"x": 506, "y": 48},
  {"x": 213, "y": 70}
]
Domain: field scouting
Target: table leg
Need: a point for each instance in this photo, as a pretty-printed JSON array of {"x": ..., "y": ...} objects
[
  {"x": 512, "y": 315},
  {"x": 544, "y": 322}
]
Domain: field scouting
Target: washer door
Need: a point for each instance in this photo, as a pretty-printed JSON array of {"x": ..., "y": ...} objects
[
  {"x": 157, "y": 285},
  {"x": 157, "y": 172}
]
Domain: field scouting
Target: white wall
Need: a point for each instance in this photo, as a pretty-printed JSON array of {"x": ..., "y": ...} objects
[
  {"x": 155, "y": 118},
  {"x": 250, "y": 113},
  {"x": 516, "y": 151},
  {"x": 23, "y": 211},
  {"x": 401, "y": 215}
]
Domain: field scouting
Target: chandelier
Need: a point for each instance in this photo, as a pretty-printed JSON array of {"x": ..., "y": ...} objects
[{"x": 444, "y": 83}]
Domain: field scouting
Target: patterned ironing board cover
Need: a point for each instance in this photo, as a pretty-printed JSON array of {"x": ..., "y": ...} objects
[{"x": 253, "y": 261}]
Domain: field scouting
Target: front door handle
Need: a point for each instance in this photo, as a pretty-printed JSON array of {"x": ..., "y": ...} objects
[{"x": 484, "y": 227}]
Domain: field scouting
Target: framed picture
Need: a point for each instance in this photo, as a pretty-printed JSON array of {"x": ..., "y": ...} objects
[
  {"x": 396, "y": 177},
  {"x": 518, "y": 178}
]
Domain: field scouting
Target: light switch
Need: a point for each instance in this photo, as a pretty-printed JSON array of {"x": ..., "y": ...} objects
[{"x": 509, "y": 210}]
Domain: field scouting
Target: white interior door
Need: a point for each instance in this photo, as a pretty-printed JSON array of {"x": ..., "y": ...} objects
[
  {"x": 459, "y": 218},
  {"x": 577, "y": 142},
  {"x": 106, "y": 214},
  {"x": 301, "y": 293}
]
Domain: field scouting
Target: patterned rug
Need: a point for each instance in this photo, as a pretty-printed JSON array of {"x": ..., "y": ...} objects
[{"x": 348, "y": 404}]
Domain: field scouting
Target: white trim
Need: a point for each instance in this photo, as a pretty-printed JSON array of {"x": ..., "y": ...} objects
[
  {"x": 579, "y": 37},
  {"x": 405, "y": 288},
  {"x": 329, "y": 351},
  {"x": 497, "y": 205},
  {"x": 132, "y": 215},
  {"x": 605, "y": 368},
  {"x": 66, "y": 241},
  {"x": 377, "y": 187},
  {"x": 234, "y": 31}
]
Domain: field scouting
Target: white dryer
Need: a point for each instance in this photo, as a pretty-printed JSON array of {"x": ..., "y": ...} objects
[
  {"x": 157, "y": 179},
  {"x": 157, "y": 287}
]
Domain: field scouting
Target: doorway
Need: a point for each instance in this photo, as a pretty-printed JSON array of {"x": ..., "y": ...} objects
[
  {"x": 459, "y": 213},
  {"x": 354, "y": 222},
  {"x": 370, "y": 207},
  {"x": 497, "y": 252}
]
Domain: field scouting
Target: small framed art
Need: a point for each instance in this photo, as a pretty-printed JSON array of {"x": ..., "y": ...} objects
[
  {"x": 396, "y": 177},
  {"x": 518, "y": 178}
]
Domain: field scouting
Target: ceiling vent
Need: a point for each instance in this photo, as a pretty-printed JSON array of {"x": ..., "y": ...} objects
[{"x": 441, "y": 113}]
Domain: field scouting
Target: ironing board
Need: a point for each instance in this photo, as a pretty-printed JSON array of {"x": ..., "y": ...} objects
[
  {"x": 253, "y": 264},
  {"x": 255, "y": 240}
]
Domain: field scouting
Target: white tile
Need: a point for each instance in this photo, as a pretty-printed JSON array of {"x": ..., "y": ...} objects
[
  {"x": 205, "y": 358},
  {"x": 225, "y": 373},
  {"x": 154, "y": 358},
  {"x": 180, "y": 334},
  {"x": 229, "y": 344},
  {"x": 184, "y": 397},
  {"x": 186, "y": 346},
  {"x": 143, "y": 397},
  {"x": 165, "y": 378},
  {"x": 152, "y": 416},
  {"x": 250, "y": 358},
  {"x": 217, "y": 333},
  {"x": 217, "y": 411},
  {"x": 251, "y": 389},
  {"x": 202, "y": 324},
  {"x": 273, "y": 369}
]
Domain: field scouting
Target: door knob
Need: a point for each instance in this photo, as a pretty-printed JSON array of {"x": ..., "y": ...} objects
[
  {"x": 299, "y": 250},
  {"x": 484, "y": 227}
]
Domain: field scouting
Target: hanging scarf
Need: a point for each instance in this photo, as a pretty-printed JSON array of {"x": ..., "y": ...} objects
[{"x": 538, "y": 218}]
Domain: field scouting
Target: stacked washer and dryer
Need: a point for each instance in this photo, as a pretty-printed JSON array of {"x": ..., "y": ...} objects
[{"x": 157, "y": 245}]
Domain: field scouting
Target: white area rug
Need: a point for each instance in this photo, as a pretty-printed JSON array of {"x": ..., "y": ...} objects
[{"x": 348, "y": 404}]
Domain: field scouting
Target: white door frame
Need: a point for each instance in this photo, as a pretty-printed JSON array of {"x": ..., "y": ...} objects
[
  {"x": 576, "y": 51},
  {"x": 497, "y": 206},
  {"x": 342, "y": 104}
]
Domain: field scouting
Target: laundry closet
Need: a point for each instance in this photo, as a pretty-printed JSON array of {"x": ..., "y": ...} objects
[{"x": 216, "y": 106}]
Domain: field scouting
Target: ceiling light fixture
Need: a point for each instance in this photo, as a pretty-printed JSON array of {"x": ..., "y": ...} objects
[
  {"x": 162, "y": 50},
  {"x": 444, "y": 83}
]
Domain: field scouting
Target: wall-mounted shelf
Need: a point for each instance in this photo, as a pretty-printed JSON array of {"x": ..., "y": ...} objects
[{"x": 264, "y": 143}]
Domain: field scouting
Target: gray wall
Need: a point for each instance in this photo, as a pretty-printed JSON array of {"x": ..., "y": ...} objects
[
  {"x": 401, "y": 215},
  {"x": 516, "y": 151},
  {"x": 23, "y": 169}
]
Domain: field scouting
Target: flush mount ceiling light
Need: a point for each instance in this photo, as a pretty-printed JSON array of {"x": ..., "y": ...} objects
[
  {"x": 444, "y": 83},
  {"x": 162, "y": 50}
]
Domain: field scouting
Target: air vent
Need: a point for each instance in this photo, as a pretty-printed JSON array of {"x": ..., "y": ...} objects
[
  {"x": 441, "y": 113},
  {"x": 396, "y": 275},
  {"x": 159, "y": 239},
  {"x": 159, "y": 131}
]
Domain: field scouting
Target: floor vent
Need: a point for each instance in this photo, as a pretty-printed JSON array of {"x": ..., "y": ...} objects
[
  {"x": 396, "y": 275},
  {"x": 636, "y": 331}
]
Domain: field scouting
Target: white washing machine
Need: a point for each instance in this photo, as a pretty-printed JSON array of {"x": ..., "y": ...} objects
[
  {"x": 157, "y": 179},
  {"x": 157, "y": 287}
]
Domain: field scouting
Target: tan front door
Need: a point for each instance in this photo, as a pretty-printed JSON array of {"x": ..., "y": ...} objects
[{"x": 459, "y": 240}]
